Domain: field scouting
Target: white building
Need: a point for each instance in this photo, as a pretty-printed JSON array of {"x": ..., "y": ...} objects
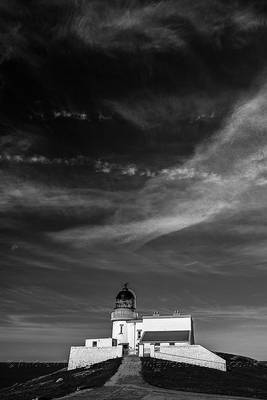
[{"x": 169, "y": 337}]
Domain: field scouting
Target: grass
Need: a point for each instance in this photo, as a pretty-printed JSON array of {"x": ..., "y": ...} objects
[
  {"x": 61, "y": 383},
  {"x": 18, "y": 372},
  {"x": 244, "y": 377}
]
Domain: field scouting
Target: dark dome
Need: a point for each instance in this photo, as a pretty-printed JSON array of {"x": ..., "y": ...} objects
[
  {"x": 126, "y": 298},
  {"x": 125, "y": 294}
]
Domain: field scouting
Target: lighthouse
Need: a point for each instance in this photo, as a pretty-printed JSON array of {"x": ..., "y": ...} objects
[
  {"x": 124, "y": 312},
  {"x": 168, "y": 337}
]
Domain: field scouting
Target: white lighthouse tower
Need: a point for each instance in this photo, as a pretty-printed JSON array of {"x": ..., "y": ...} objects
[{"x": 125, "y": 310}]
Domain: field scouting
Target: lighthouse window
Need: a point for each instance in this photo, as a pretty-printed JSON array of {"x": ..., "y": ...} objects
[
  {"x": 139, "y": 333},
  {"x": 121, "y": 326}
]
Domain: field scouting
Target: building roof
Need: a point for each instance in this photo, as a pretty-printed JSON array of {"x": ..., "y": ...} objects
[
  {"x": 129, "y": 321},
  {"x": 165, "y": 336}
]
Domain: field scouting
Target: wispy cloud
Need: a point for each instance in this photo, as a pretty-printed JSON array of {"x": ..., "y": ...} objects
[
  {"x": 15, "y": 192},
  {"x": 156, "y": 26},
  {"x": 148, "y": 110},
  {"x": 235, "y": 312},
  {"x": 221, "y": 176}
]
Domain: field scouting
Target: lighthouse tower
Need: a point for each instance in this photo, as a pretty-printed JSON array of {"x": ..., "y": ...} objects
[{"x": 125, "y": 310}]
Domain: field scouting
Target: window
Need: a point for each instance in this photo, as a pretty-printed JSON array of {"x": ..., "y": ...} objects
[
  {"x": 139, "y": 333},
  {"x": 121, "y": 326},
  {"x": 171, "y": 343},
  {"x": 157, "y": 346},
  {"x": 94, "y": 344}
]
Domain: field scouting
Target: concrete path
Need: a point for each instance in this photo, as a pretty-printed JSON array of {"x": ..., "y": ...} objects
[
  {"x": 128, "y": 384},
  {"x": 132, "y": 392},
  {"x": 129, "y": 372}
]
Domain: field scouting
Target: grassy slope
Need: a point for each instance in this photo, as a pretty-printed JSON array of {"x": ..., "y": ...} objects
[
  {"x": 18, "y": 372},
  {"x": 62, "y": 382},
  {"x": 244, "y": 377}
]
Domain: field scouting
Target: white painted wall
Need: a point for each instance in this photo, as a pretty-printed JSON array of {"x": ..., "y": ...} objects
[
  {"x": 132, "y": 332},
  {"x": 147, "y": 348},
  {"x": 165, "y": 344},
  {"x": 189, "y": 354},
  {"x": 116, "y": 331},
  {"x": 141, "y": 350},
  {"x": 149, "y": 323},
  {"x": 103, "y": 342},
  {"x": 85, "y": 356},
  {"x": 179, "y": 323}
]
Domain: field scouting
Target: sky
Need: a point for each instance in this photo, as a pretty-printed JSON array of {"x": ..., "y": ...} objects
[{"x": 133, "y": 148}]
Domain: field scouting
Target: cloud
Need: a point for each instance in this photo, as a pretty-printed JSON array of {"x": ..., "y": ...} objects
[
  {"x": 154, "y": 110},
  {"x": 98, "y": 165},
  {"x": 248, "y": 20},
  {"x": 250, "y": 313},
  {"x": 129, "y": 27},
  {"x": 224, "y": 177},
  {"x": 220, "y": 177},
  {"x": 179, "y": 45},
  {"x": 158, "y": 26},
  {"x": 30, "y": 195}
]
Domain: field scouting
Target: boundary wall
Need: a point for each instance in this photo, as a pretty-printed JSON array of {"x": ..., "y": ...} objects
[
  {"x": 192, "y": 354},
  {"x": 81, "y": 356}
]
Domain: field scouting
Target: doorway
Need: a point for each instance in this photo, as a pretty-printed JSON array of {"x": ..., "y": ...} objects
[{"x": 125, "y": 349}]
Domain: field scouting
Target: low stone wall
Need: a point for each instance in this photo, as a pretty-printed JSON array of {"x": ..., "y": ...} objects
[
  {"x": 103, "y": 342},
  {"x": 85, "y": 356},
  {"x": 192, "y": 354}
]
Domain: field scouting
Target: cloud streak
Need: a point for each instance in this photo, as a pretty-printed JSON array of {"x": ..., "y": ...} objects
[{"x": 221, "y": 177}]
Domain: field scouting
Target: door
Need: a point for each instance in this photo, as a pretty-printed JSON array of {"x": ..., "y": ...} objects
[{"x": 125, "y": 349}]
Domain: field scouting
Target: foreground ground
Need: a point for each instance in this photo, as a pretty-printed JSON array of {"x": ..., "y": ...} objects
[
  {"x": 244, "y": 377},
  {"x": 128, "y": 384},
  {"x": 132, "y": 392},
  {"x": 148, "y": 379},
  {"x": 18, "y": 372},
  {"x": 62, "y": 382}
]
